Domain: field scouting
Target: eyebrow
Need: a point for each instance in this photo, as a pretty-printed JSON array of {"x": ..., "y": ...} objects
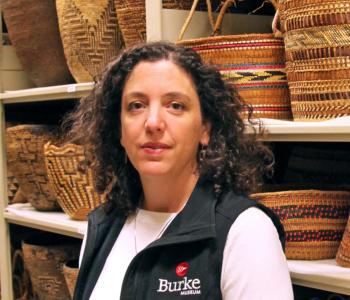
[{"x": 167, "y": 95}]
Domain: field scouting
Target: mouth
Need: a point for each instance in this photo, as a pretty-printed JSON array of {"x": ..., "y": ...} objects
[{"x": 154, "y": 148}]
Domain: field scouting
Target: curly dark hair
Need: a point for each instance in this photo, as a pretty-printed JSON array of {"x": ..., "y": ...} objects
[{"x": 234, "y": 160}]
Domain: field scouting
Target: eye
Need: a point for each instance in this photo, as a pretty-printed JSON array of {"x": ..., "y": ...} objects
[
  {"x": 136, "y": 105},
  {"x": 176, "y": 106}
]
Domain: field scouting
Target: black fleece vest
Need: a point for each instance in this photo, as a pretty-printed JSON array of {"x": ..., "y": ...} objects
[{"x": 185, "y": 263}]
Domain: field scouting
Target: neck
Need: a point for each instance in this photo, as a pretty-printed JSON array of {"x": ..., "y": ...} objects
[{"x": 166, "y": 194}]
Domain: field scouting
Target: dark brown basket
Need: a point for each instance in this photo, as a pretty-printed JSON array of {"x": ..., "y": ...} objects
[
  {"x": 317, "y": 46},
  {"x": 90, "y": 34},
  {"x": 33, "y": 29},
  {"x": 314, "y": 220},
  {"x": 44, "y": 255},
  {"x": 26, "y": 162},
  {"x": 73, "y": 186},
  {"x": 70, "y": 272},
  {"x": 253, "y": 63}
]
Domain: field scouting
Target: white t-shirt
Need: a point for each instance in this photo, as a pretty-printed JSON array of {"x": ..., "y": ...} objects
[{"x": 254, "y": 265}]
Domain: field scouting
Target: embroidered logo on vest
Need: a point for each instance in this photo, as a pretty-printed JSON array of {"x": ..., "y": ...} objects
[
  {"x": 184, "y": 287},
  {"x": 181, "y": 269}
]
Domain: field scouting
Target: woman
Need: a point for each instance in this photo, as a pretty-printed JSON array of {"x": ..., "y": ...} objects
[{"x": 177, "y": 221}]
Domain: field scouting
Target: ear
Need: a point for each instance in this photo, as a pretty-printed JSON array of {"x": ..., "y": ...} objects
[{"x": 206, "y": 129}]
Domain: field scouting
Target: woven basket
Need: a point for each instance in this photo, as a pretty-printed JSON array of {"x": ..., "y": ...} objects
[
  {"x": 314, "y": 220},
  {"x": 132, "y": 17},
  {"x": 44, "y": 255},
  {"x": 70, "y": 272},
  {"x": 317, "y": 43},
  {"x": 343, "y": 254},
  {"x": 90, "y": 35},
  {"x": 14, "y": 194},
  {"x": 73, "y": 187},
  {"x": 26, "y": 162},
  {"x": 254, "y": 63},
  {"x": 33, "y": 29}
]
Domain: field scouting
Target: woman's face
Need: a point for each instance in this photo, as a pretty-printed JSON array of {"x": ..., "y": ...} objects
[{"x": 161, "y": 122}]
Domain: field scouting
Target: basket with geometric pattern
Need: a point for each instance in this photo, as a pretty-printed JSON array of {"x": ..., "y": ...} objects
[
  {"x": 253, "y": 63},
  {"x": 70, "y": 180},
  {"x": 70, "y": 273},
  {"x": 90, "y": 34},
  {"x": 26, "y": 163},
  {"x": 314, "y": 220},
  {"x": 317, "y": 42}
]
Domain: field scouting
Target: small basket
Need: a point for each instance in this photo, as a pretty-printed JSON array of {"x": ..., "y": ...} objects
[
  {"x": 73, "y": 186},
  {"x": 317, "y": 43},
  {"x": 44, "y": 255},
  {"x": 253, "y": 63},
  {"x": 314, "y": 220},
  {"x": 26, "y": 162},
  {"x": 90, "y": 34},
  {"x": 70, "y": 272},
  {"x": 343, "y": 254}
]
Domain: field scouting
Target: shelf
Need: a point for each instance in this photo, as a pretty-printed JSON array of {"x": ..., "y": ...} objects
[
  {"x": 320, "y": 274},
  {"x": 68, "y": 91},
  {"x": 24, "y": 214},
  {"x": 335, "y": 130}
]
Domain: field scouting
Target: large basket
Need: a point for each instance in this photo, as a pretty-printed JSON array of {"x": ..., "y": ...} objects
[
  {"x": 26, "y": 162},
  {"x": 317, "y": 45},
  {"x": 314, "y": 220},
  {"x": 33, "y": 30},
  {"x": 70, "y": 273},
  {"x": 253, "y": 63},
  {"x": 44, "y": 255},
  {"x": 90, "y": 36},
  {"x": 73, "y": 185},
  {"x": 132, "y": 17}
]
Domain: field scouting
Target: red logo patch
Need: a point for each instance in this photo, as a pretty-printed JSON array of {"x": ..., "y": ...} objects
[{"x": 182, "y": 269}]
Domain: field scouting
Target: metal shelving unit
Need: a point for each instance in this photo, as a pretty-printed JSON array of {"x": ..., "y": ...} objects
[{"x": 323, "y": 274}]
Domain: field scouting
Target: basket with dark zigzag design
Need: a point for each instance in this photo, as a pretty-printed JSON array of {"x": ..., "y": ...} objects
[
  {"x": 314, "y": 220},
  {"x": 90, "y": 34},
  {"x": 253, "y": 63},
  {"x": 72, "y": 184},
  {"x": 317, "y": 42}
]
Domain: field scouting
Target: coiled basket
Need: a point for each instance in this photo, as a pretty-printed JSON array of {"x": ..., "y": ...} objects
[{"x": 314, "y": 220}]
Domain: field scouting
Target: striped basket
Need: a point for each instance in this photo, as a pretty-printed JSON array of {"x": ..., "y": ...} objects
[
  {"x": 314, "y": 220},
  {"x": 90, "y": 34},
  {"x": 72, "y": 184},
  {"x": 317, "y": 43},
  {"x": 254, "y": 63}
]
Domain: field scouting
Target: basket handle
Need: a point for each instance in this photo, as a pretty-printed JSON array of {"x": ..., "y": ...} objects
[
  {"x": 190, "y": 16},
  {"x": 228, "y": 3}
]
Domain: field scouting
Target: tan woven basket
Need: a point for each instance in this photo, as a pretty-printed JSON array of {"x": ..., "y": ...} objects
[
  {"x": 90, "y": 34},
  {"x": 317, "y": 45},
  {"x": 70, "y": 272},
  {"x": 314, "y": 220},
  {"x": 44, "y": 255},
  {"x": 132, "y": 17},
  {"x": 26, "y": 162},
  {"x": 343, "y": 254},
  {"x": 73, "y": 187},
  {"x": 254, "y": 63}
]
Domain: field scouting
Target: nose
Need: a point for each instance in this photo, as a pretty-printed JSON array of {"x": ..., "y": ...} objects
[{"x": 155, "y": 121}]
